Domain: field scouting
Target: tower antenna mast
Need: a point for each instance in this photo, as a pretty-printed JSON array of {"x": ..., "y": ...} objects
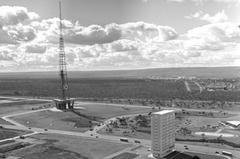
[
  {"x": 64, "y": 100},
  {"x": 62, "y": 59}
]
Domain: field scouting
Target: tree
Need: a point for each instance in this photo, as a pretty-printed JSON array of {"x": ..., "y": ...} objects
[
  {"x": 220, "y": 139},
  {"x": 203, "y": 137},
  {"x": 110, "y": 130}
]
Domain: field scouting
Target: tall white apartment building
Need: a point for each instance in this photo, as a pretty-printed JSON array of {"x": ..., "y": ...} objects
[{"x": 162, "y": 132}]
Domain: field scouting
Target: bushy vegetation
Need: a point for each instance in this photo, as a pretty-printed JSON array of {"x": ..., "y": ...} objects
[{"x": 113, "y": 89}]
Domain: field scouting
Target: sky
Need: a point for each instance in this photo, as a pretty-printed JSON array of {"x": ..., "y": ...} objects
[{"x": 119, "y": 34}]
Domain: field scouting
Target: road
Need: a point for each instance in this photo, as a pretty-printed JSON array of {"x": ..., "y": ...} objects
[
  {"x": 116, "y": 139},
  {"x": 205, "y": 149},
  {"x": 187, "y": 86},
  {"x": 37, "y": 99}
]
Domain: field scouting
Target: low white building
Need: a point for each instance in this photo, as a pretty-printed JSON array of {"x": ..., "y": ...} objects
[
  {"x": 162, "y": 133},
  {"x": 234, "y": 124}
]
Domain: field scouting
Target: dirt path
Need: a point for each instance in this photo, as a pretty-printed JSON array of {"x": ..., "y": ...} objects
[
  {"x": 200, "y": 87},
  {"x": 187, "y": 86}
]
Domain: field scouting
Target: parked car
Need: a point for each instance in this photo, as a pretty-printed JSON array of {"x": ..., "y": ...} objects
[
  {"x": 22, "y": 137},
  {"x": 124, "y": 139}
]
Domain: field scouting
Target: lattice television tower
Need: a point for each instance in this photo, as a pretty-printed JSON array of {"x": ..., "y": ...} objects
[{"x": 64, "y": 102}]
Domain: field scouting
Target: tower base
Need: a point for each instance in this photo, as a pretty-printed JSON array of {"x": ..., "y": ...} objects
[{"x": 64, "y": 104}]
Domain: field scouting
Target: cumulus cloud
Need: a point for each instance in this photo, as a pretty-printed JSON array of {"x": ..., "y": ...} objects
[
  {"x": 21, "y": 32},
  {"x": 145, "y": 32},
  {"x": 204, "y": 1},
  {"x": 96, "y": 34},
  {"x": 218, "y": 32},
  {"x": 74, "y": 33},
  {"x": 17, "y": 33},
  {"x": 202, "y": 44},
  {"x": 123, "y": 45},
  {"x": 11, "y": 15},
  {"x": 217, "y": 18},
  {"x": 6, "y": 55},
  {"x": 175, "y": 0},
  {"x": 123, "y": 54},
  {"x": 93, "y": 34},
  {"x": 34, "y": 44},
  {"x": 5, "y": 38},
  {"x": 35, "y": 48}
]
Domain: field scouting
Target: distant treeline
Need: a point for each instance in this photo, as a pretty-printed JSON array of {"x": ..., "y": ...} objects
[
  {"x": 198, "y": 72},
  {"x": 113, "y": 88}
]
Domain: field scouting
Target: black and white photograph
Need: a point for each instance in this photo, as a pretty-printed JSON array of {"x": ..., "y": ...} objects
[{"x": 119, "y": 79}]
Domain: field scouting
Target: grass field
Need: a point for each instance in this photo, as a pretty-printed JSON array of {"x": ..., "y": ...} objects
[
  {"x": 8, "y": 105},
  {"x": 17, "y": 108},
  {"x": 106, "y": 111},
  {"x": 67, "y": 121},
  {"x": 9, "y": 133},
  {"x": 126, "y": 155},
  {"x": 73, "y": 122},
  {"x": 4, "y": 122},
  {"x": 69, "y": 147}
]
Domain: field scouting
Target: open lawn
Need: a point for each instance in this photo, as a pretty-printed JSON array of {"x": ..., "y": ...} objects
[
  {"x": 4, "y": 122},
  {"x": 70, "y": 121},
  {"x": 69, "y": 147},
  {"x": 8, "y": 105},
  {"x": 9, "y": 133},
  {"x": 106, "y": 111},
  {"x": 126, "y": 155},
  {"x": 67, "y": 121}
]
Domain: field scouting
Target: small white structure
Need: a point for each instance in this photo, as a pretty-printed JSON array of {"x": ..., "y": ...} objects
[
  {"x": 162, "y": 133},
  {"x": 234, "y": 124}
]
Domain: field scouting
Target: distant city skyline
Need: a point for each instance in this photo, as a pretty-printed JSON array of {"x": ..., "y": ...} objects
[{"x": 119, "y": 34}]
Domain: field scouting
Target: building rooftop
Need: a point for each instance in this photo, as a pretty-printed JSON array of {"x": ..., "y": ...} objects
[
  {"x": 163, "y": 112},
  {"x": 235, "y": 123}
]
